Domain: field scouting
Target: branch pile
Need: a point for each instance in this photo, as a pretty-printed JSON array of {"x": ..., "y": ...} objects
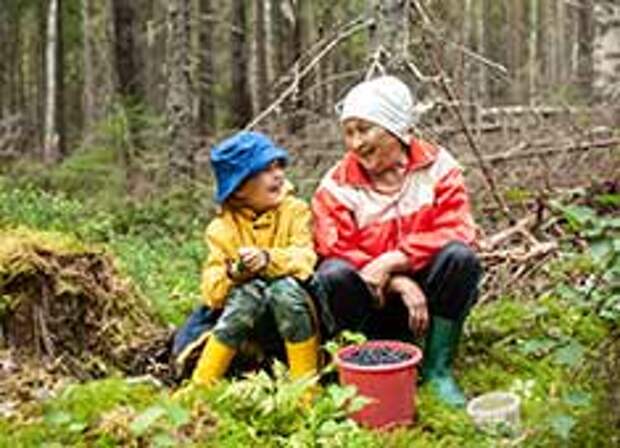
[{"x": 514, "y": 255}]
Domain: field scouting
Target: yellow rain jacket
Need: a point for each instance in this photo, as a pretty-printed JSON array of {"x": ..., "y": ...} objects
[{"x": 285, "y": 232}]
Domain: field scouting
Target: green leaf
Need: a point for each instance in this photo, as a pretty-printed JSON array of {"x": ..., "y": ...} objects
[
  {"x": 578, "y": 398},
  {"x": 608, "y": 199},
  {"x": 569, "y": 355},
  {"x": 567, "y": 292},
  {"x": 58, "y": 418},
  {"x": 562, "y": 425},
  {"x": 577, "y": 216},
  {"x": 340, "y": 395},
  {"x": 601, "y": 249},
  {"x": 537, "y": 346},
  {"x": 178, "y": 415},
  {"x": 77, "y": 427},
  {"x": 145, "y": 420},
  {"x": 163, "y": 440}
]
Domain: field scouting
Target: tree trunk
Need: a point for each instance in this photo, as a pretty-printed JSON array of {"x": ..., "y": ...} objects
[
  {"x": 391, "y": 32},
  {"x": 3, "y": 61},
  {"x": 562, "y": 58},
  {"x": 585, "y": 36},
  {"x": 206, "y": 106},
  {"x": 179, "y": 100},
  {"x": 606, "y": 55},
  {"x": 550, "y": 54},
  {"x": 125, "y": 49},
  {"x": 515, "y": 21},
  {"x": 262, "y": 80},
  {"x": 482, "y": 88},
  {"x": 52, "y": 141},
  {"x": 279, "y": 40},
  {"x": 241, "y": 101},
  {"x": 89, "y": 66},
  {"x": 154, "y": 72},
  {"x": 464, "y": 86},
  {"x": 533, "y": 62}
]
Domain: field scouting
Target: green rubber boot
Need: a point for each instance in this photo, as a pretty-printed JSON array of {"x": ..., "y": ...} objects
[{"x": 439, "y": 351}]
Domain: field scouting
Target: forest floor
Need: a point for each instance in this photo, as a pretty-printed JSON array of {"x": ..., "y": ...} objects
[{"x": 123, "y": 274}]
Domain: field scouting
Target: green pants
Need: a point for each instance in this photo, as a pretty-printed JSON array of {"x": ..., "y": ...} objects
[{"x": 266, "y": 311}]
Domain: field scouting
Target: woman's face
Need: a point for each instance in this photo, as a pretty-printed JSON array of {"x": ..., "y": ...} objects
[{"x": 376, "y": 148}]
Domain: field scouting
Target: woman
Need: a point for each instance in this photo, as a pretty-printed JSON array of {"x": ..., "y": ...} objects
[{"x": 393, "y": 228}]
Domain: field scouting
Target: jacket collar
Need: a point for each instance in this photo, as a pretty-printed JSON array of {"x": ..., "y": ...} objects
[{"x": 349, "y": 171}]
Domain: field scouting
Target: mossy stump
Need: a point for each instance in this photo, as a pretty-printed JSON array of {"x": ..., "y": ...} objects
[{"x": 65, "y": 307}]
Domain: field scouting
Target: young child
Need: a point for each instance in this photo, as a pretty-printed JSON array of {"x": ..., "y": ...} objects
[{"x": 259, "y": 250}]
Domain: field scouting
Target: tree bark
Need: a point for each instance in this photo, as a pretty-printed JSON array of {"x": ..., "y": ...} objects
[
  {"x": 391, "y": 31},
  {"x": 241, "y": 101},
  {"x": 515, "y": 21},
  {"x": 89, "y": 66},
  {"x": 533, "y": 62},
  {"x": 179, "y": 100},
  {"x": 206, "y": 106},
  {"x": 126, "y": 53},
  {"x": 260, "y": 38},
  {"x": 52, "y": 136},
  {"x": 585, "y": 37},
  {"x": 606, "y": 55},
  {"x": 481, "y": 48}
]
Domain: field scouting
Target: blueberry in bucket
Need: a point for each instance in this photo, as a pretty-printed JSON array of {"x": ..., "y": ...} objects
[{"x": 374, "y": 356}]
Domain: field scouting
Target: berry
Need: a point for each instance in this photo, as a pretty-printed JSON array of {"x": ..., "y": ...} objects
[{"x": 373, "y": 356}]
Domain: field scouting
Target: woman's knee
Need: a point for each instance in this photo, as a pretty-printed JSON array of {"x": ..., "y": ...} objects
[
  {"x": 461, "y": 256},
  {"x": 336, "y": 270},
  {"x": 452, "y": 284}
]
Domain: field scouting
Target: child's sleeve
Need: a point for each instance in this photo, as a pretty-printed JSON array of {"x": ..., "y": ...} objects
[
  {"x": 215, "y": 281},
  {"x": 297, "y": 258}
]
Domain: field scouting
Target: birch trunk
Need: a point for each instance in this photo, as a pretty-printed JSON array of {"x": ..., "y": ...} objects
[{"x": 51, "y": 142}]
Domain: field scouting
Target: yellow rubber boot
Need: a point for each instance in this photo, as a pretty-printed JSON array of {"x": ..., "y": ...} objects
[
  {"x": 303, "y": 362},
  {"x": 213, "y": 363},
  {"x": 302, "y": 357}
]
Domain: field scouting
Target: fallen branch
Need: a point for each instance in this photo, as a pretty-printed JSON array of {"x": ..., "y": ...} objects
[
  {"x": 512, "y": 154},
  {"x": 519, "y": 254},
  {"x": 495, "y": 240}
]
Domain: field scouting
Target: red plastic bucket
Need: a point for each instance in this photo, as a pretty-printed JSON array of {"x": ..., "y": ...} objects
[{"x": 391, "y": 387}]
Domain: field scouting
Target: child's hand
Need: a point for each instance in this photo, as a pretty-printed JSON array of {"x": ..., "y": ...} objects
[{"x": 253, "y": 259}]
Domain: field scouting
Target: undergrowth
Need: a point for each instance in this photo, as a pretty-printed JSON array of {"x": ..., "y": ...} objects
[{"x": 544, "y": 347}]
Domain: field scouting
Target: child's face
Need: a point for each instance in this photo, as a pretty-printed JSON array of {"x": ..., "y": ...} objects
[{"x": 264, "y": 190}]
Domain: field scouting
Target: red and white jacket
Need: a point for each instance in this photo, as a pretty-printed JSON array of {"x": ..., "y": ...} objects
[{"x": 356, "y": 223}]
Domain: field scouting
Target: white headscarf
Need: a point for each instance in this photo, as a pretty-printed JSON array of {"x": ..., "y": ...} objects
[{"x": 386, "y": 101}]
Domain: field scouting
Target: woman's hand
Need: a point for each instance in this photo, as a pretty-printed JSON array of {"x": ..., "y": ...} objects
[
  {"x": 377, "y": 273},
  {"x": 415, "y": 301}
]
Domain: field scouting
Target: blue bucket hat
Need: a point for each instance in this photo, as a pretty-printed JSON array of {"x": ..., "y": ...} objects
[{"x": 239, "y": 157}]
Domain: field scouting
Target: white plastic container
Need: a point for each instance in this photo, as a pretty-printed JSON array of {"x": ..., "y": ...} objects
[{"x": 496, "y": 411}]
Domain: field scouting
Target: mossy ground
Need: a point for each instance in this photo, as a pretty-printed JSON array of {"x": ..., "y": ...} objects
[{"x": 548, "y": 348}]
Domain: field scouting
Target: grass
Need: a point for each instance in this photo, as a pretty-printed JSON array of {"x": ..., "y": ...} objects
[{"x": 544, "y": 348}]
